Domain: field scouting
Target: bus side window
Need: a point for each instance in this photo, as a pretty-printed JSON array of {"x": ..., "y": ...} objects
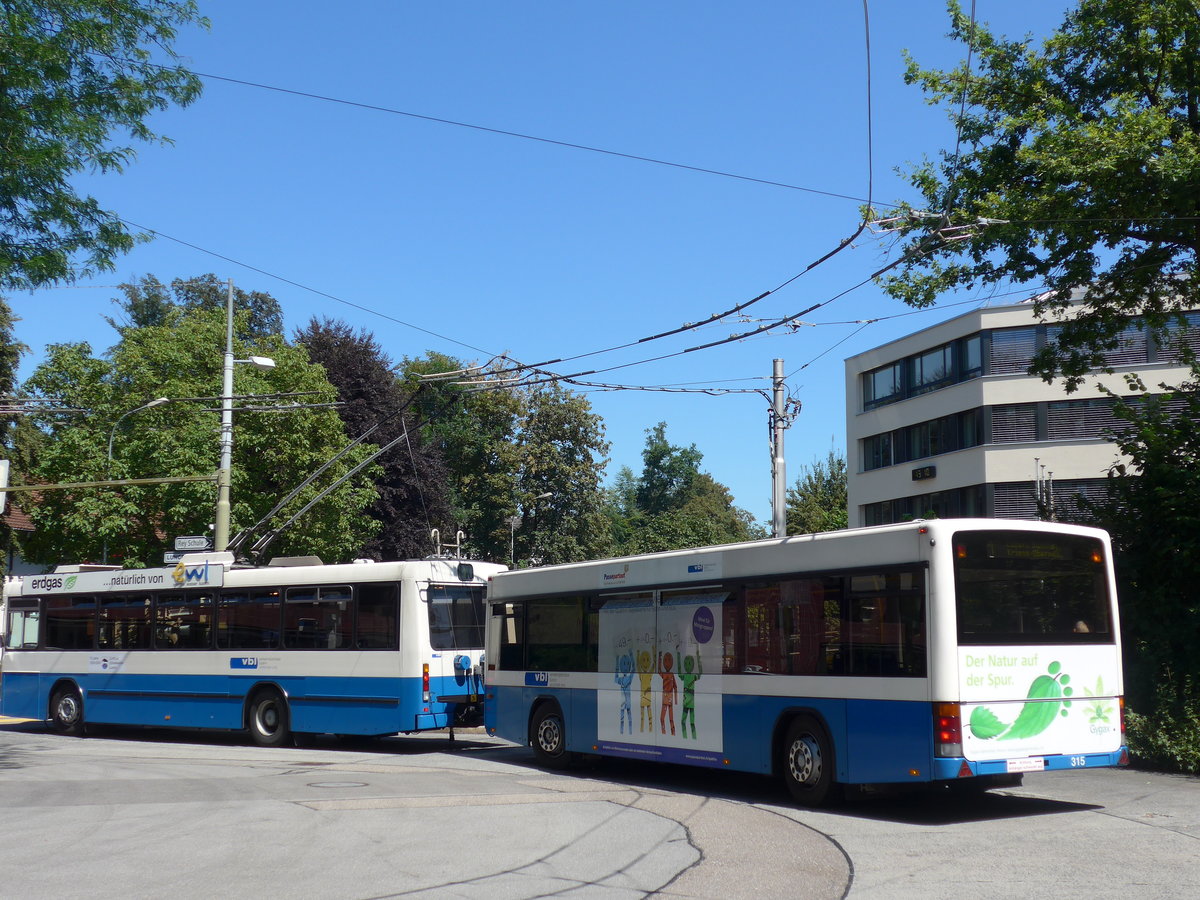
[
  {"x": 24, "y": 625},
  {"x": 556, "y": 635},
  {"x": 70, "y": 623},
  {"x": 124, "y": 622},
  {"x": 512, "y": 635},
  {"x": 184, "y": 621},
  {"x": 377, "y": 617},
  {"x": 249, "y": 620}
]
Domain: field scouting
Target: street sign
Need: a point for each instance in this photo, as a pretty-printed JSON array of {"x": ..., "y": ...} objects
[
  {"x": 171, "y": 557},
  {"x": 193, "y": 542}
]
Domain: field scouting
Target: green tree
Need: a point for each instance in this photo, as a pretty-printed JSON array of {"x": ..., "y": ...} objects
[
  {"x": 672, "y": 504},
  {"x": 1158, "y": 567},
  {"x": 1075, "y": 169},
  {"x": 562, "y": 452},
  {"x": 413, "y": 494},
  {"x": 505, "y": 447},
  {"x": 10, "y": 357},
  {"x": 272, "y": 450},
  {"x": 148, "y": 302},
  {"x": 74, "y": 75},
  {"x": 817, "y": 501}
]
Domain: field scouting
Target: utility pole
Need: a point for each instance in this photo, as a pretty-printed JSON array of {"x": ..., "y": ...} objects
[
  {"x": 779, "y": 422},
  {"x": 221, "y": 525}
]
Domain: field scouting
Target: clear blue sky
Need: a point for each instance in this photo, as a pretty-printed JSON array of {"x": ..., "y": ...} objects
[{"x": 498, "y": 244}]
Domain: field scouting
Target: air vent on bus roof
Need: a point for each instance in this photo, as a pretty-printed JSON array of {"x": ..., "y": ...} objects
[{"x": 296, "y": 561}]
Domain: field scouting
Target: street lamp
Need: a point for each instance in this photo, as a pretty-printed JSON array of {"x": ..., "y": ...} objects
[
  {"x": 224, "y": 473},
  {"x": 158, "y": 401},
  {"x": 514, "y": 522}
]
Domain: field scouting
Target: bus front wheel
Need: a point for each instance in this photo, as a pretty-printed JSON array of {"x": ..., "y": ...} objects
[
  {"x": 66, "y": 711},
  {"x": 808, "y": 762},
  {"x": 268, "y": 719},
  {"x": 550, "y": 737}
]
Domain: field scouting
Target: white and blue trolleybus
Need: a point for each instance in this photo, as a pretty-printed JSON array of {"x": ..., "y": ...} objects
[
  {"x": 368, "y": 648},
  {"x": 966, "y": 651}
]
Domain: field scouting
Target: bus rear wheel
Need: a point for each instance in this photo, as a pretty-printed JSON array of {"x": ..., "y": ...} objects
[
  {"x": 549, "y": 734},
  {"x": 807, "y": 763},
  {"x": 66, "y": 711},
  {"x": 267, "y": 719}
]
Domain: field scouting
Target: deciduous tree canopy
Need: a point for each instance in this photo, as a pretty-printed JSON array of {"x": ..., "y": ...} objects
[
  {"x": 1076, "y": 167},
  {"x": 78, "y": 80}
]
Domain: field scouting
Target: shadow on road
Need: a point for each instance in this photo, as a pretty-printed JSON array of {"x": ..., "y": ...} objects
[{"x": 928, "y": 806}]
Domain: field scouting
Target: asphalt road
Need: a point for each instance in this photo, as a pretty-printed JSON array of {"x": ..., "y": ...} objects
[{"x": 134, "y": 814}]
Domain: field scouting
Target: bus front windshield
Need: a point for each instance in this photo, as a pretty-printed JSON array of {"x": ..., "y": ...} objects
[{"x": 1017, "y": 587}]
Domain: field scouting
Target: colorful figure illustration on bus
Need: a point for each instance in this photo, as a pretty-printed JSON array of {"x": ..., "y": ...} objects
[
  {"x": 665, "y": 662},
  {"x": 690, "y": 674},
  {"x": 624, "y": 679},
  {"x": 645, "y": 669}
]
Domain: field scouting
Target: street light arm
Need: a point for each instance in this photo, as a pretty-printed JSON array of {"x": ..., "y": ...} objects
[{"x": 157, "y": 401}]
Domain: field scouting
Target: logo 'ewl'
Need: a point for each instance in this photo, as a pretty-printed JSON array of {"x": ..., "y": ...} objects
[{"x": 190, "y": 575}]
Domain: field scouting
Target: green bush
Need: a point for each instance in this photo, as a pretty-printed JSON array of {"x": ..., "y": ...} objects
[{"x": 1167, "y": 739}]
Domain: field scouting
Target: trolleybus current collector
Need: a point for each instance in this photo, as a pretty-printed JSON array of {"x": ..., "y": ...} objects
[{"x": 963, "y": 651}]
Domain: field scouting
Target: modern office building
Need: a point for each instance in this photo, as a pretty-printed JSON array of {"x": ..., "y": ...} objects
[{"x": 947, "y": 421}]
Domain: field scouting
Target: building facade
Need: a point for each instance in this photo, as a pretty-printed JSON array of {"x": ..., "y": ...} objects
[{"x": 947, "y": 421}]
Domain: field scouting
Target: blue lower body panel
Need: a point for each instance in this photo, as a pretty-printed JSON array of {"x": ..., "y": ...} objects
[{"x": 334, "y": 704}]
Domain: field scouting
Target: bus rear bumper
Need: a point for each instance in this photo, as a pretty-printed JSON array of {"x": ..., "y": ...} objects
[{"x": 949, "y": 768}]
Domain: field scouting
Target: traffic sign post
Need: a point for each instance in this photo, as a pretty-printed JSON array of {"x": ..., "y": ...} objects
[{"x": 193, "y": 542}]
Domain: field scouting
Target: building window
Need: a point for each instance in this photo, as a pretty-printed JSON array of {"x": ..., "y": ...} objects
[
  {"x": 884, "y": 385},
  {"x": 922, "y": 372},
  {"x": 945, "y": 435},
  {"x": 930, "y": 370},
  {"x": 959, "y": 503}
]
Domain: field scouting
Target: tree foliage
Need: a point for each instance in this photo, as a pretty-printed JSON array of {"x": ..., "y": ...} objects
[
  {"x": 179, "y": 359},
  {"x": 77, "y": 82},
  {"x": 1153, "y": 512},
  {"x": 505, "y": 448},
  {"x": 413, "y": 489},
  {"x": 672, "y": 504},
  {"x": 817, "y": 501},
  {"x": 10, "y": 357},
  {"x": 1075, "y": 169},
  {"x": 149, "y": 302}
]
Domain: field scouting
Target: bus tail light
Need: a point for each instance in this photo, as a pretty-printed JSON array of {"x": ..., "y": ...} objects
[
  {"x": 425, "y": 681},
  {"x": 947, "y": 729},
  {"x": 1121, "y": 706}
]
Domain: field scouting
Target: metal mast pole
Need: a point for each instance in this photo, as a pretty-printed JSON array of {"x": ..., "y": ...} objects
[
  {"x": 778, "y": 464},
  {"x": 224, "y": 474}
]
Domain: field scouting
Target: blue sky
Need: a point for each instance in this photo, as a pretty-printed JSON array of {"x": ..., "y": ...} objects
[{"x": 492, "y": 244}]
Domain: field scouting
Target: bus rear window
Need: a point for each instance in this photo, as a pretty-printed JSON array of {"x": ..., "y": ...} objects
[
  {"x": 456, "y": 616},
  {"x": 1017, "y": 587}
]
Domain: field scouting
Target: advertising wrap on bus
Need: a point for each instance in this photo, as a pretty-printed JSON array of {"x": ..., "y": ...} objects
[
  {"x": 200, "y": 574},
  {"x": 661, "y": 709},
  {"x": 1066, "y": 701}
]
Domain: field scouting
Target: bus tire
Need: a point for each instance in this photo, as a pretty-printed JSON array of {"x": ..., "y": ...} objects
[
  {"x": 807, "y": 762},
  {"x": 549, "y": 737},
  {"x": 66, "y": 710},
  {"x": 267, "y": 719}
]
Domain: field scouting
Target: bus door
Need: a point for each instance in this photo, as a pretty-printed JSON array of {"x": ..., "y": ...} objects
[{"x": 629, "y": 692}]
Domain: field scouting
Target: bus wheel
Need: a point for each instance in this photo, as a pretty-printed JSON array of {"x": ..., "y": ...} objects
[
  {"x": 550, "y": 737},
  {"x": 66, "y": 711},
  {"x": 807, "y": 763},
  {"x": 268, "y": 719}
]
